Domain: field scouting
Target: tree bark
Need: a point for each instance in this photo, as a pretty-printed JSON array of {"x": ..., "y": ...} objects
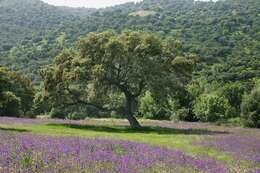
[{"x": 129, "y": 112}]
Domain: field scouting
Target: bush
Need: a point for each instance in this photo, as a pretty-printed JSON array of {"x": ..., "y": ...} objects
[
  {"x": 148, "y": 107},
  {"x": 234, "y": 93},
  {"x": 77, "y": 112},
  {"x": 180, "y": 114},
  {"x": 211, "y": 107},
  {"x": 235, "y": 121},
  {"x": 116, "y": 114},
  {"x": 40, "y": 104},
  {"x": 57, "y": 113},
  {"x": 250, "y": 109},
  {"x": 161, "y": 109},
  {"x": 9, "y": 104},
  {"x": 81, "y": 112},
  {"x": 77, "y": 116}
]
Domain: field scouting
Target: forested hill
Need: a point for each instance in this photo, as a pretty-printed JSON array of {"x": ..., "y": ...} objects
[
  {"x": 25, "y": 19},
  {"x": 224, "y": 34}
]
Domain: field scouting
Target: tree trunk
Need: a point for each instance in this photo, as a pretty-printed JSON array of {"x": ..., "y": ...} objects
[{"x": 129, "y": 113}]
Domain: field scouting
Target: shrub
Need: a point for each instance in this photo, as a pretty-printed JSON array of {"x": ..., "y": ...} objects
[
  {"x": 161, "y": 109},
  {"x": 81, "y": 112},
  {"x": 116, "y": 114},
  {"x": 250, "y": 109},
  {"x": 9, "y": 104},
  {"x": 40, "y": 104},
  {"x": 180, "y": 114},
  {"x": 235, "y": 121},
  {"x": 211, "y": 107},
  {"x": 234, "y": 93},
  {"x": 57, "y": 113},
  {"x": 77, "y": 116},
  {"x": 148, "y": 107}
]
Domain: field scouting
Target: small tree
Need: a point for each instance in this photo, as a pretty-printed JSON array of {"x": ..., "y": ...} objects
[
  {"x": 23, "y": 89},
  {"x": 16, "y": 93},
  {"x": 106, "y": 65},
  {"x": 250, "y": 108},
  {"x": 234, "y": 93},
  {"x": 148, "y": 107},
  {"x": 9, "y": 104},
  {"x": 211, "y": 107}
]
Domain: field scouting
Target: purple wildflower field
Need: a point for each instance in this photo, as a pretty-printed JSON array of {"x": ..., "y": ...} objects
[
  {"x": 242, "y": 144},
  {"x": 30, "y": 153}
]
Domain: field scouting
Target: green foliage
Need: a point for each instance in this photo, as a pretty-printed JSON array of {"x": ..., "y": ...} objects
[
  {"x": 198, "y": 87},
  {"x": 23, "y": 89},
  {"x": 256, "y": 81},
  {"x": 148, "y": 107},
  {"x": 107, "y": 68},
  {"x": 81, "y": 112},
  {"x": 16, "y": 94},
  {"x": 163, "y": 109},
  {"x": 27, "y": 20},
  {"x": 40, "y": 104},
  {"x": 77, "y": 116},
  {"x": 234, "y": 121},
  {"x": 211, "y": 107},
  {"x": 250, "y": 108},
  {"x": 9, "y": 104},
  {"x": 224, "y": 34},
  {"x": 233, "y": 92},
  {"x": 182, "y": 114},
  {"x": 57, "y": 113},
  {"x": 230, "y": 91}
]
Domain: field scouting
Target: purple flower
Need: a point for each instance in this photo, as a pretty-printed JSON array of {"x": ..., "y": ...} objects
[{"x": 31, "y": 153}]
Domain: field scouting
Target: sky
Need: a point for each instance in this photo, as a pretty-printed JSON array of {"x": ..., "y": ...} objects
[{"x": 88, "y": 3}]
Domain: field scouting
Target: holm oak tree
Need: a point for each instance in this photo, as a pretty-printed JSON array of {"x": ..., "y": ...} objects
[{"x": 104, "y": 66}]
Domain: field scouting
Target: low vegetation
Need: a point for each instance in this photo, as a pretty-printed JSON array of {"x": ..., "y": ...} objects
[{"x": 114, "y": 147}]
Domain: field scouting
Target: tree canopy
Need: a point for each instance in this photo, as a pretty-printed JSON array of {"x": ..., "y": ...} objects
[
  {"x": 106, "y": 66},
  {"x": 16, "y": 93}
]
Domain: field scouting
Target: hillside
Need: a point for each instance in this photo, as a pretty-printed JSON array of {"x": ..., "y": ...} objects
[
  {"x": 27, "y": 19},
  {"x": 26, "y": 23},
  {"x": 224, "y": 34}
]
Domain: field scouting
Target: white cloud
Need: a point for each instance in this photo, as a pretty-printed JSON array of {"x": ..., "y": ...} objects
[{"x": 88, "y": 3}]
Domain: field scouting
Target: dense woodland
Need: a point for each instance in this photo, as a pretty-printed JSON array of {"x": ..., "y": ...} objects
[{"x": 157, "y": 59}]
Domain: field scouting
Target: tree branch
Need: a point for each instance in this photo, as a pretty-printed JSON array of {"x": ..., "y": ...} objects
[
  {"x": 79, "y": 101},
  {"x": 141, "y": 87}
]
